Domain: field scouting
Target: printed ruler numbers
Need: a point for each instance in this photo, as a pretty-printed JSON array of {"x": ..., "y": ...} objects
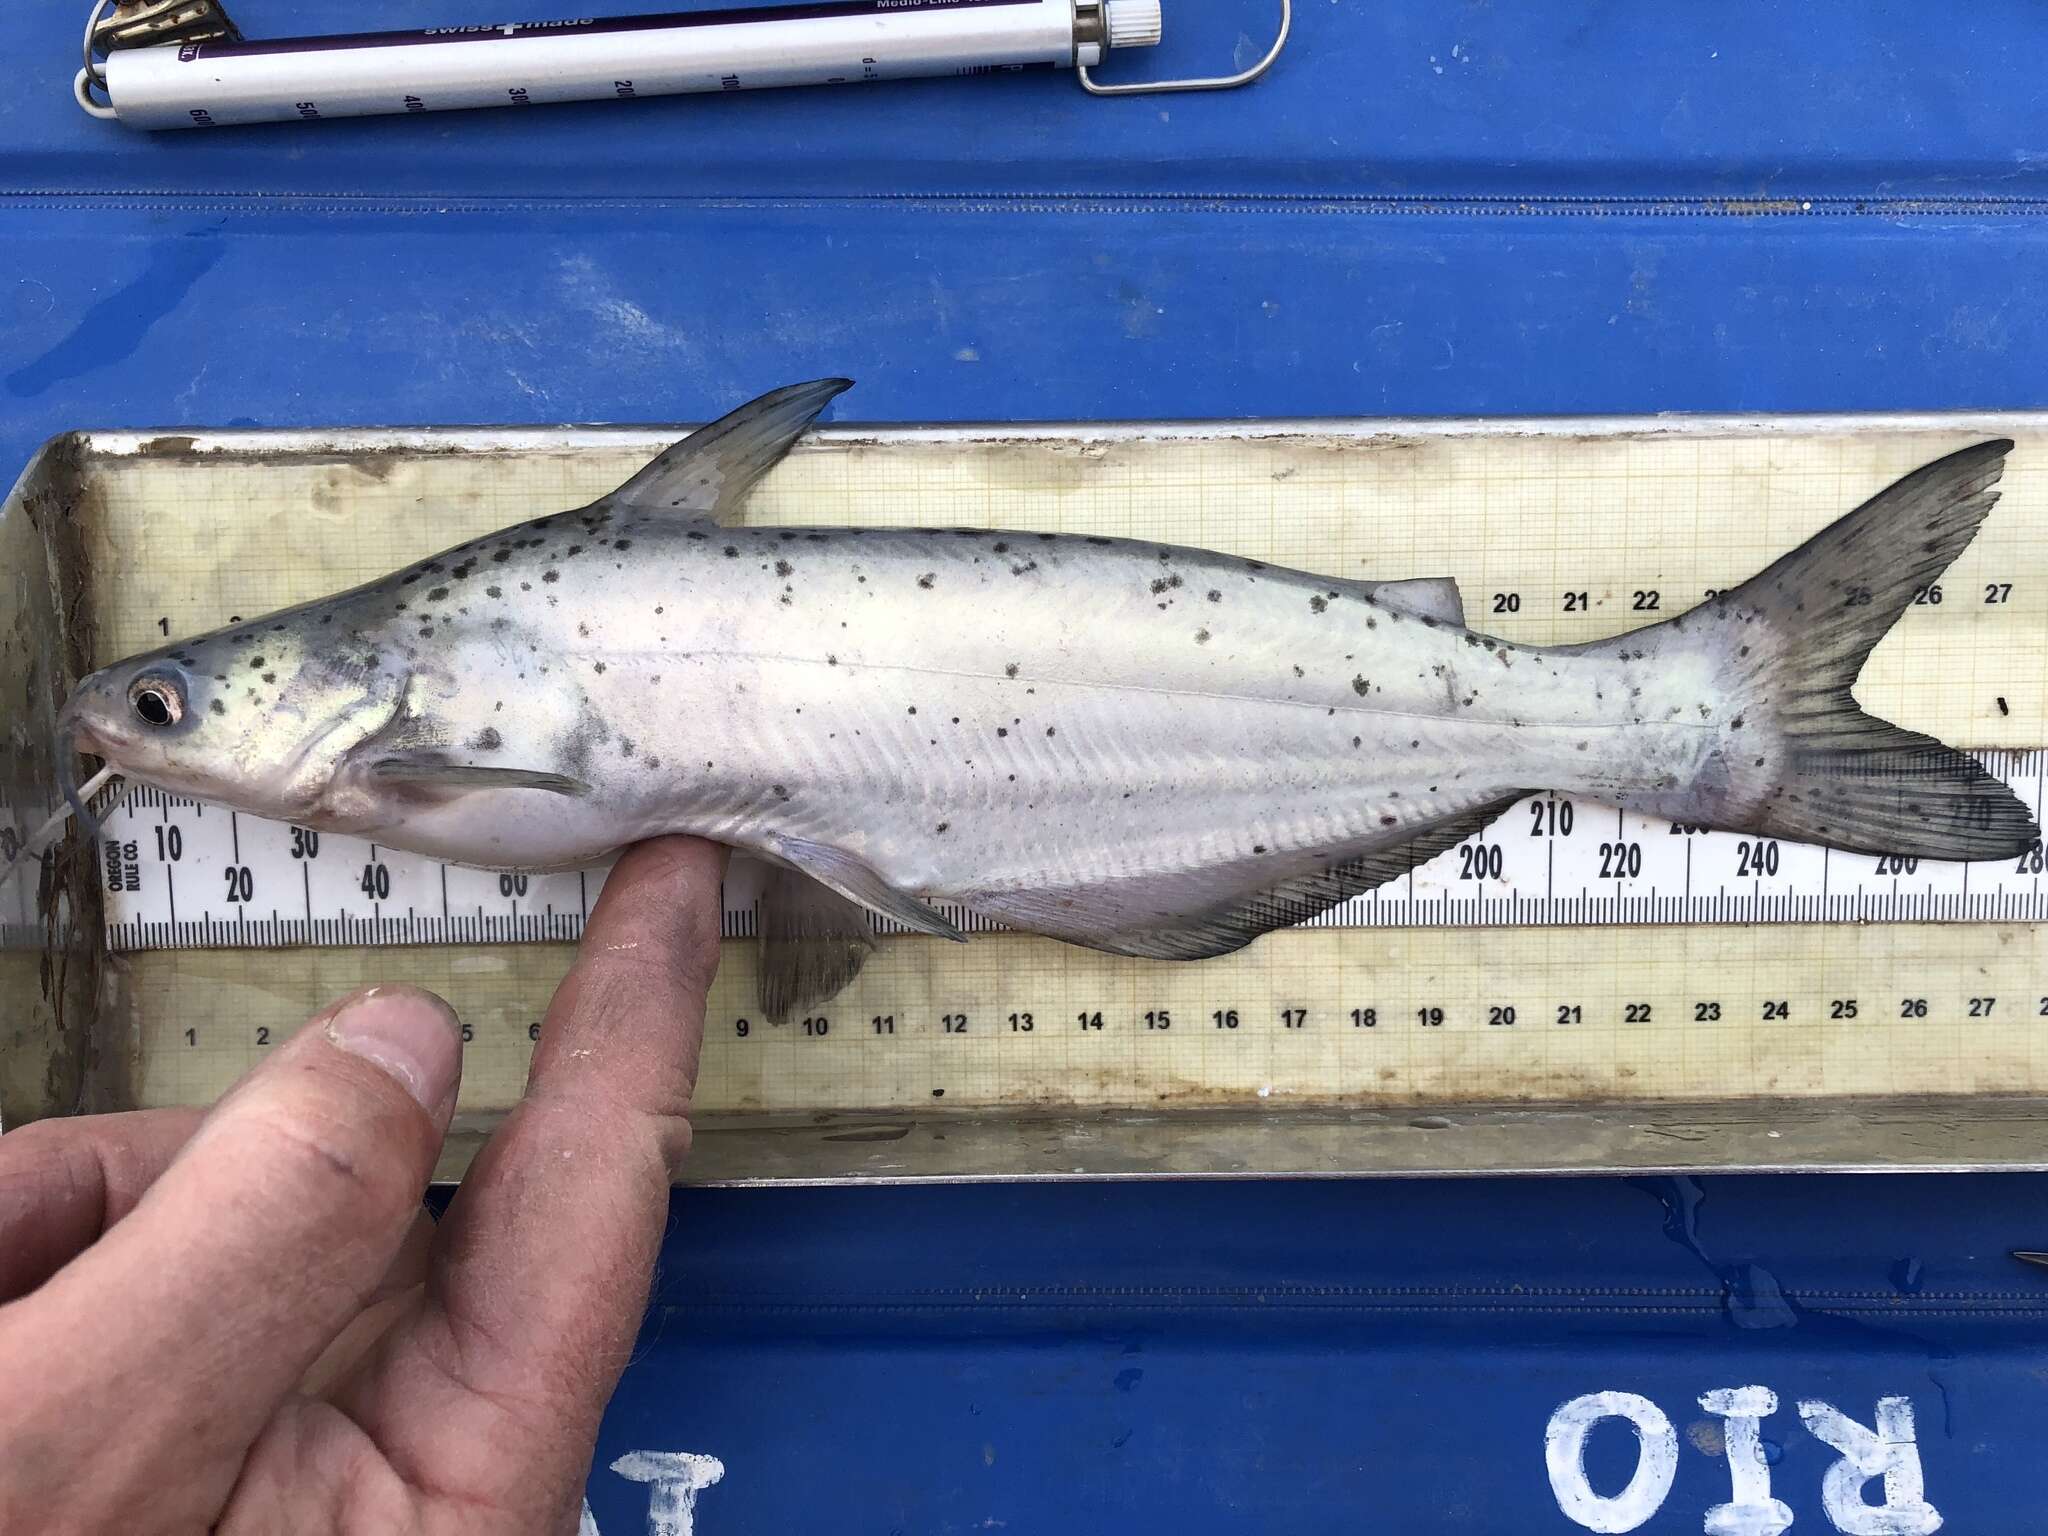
[{"x": 181, "y": 875}]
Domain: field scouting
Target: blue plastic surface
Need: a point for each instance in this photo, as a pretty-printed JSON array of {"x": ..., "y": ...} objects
[
  {"x": 1457, "y": 208},
  {"x": 1299, "y": 1357}
]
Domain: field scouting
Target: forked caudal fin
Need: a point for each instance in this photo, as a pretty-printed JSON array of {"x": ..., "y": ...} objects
[{"x": 1806, "y": 763}]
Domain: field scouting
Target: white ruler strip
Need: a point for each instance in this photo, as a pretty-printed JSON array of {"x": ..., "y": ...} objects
[{"x": 181, "y": 875}]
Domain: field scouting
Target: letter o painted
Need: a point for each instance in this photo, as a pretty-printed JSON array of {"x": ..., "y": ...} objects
[{"x": 1564, "y": 1454}]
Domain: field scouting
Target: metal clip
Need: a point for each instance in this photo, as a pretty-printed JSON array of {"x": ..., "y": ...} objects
[
  {"x": 1208, "y": 83},
  {"x": 143, "y": 24}
]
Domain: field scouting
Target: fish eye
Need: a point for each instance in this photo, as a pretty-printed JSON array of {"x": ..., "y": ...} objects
[{"x": 156, "y": 701}]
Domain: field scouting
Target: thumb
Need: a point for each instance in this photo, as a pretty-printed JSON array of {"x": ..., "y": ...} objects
[{"x": 259, "y": 1243}]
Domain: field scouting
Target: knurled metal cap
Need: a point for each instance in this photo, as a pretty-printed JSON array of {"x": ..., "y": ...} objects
[{"x": 1132, "y": 23}]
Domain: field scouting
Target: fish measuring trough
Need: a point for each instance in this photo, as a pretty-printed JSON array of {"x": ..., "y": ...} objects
[{"x": 1527, "y": 1010}]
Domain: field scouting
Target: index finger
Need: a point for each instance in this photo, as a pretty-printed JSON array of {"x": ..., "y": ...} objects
[{"x": 546, "y": 1253}]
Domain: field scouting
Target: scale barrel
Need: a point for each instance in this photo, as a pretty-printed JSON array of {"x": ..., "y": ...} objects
[{"x": 215, "y": 84}]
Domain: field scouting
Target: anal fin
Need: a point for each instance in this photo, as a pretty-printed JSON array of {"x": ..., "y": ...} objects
[
  {"x": 1229, "y": 926},
  {"x": 813, "y": 942}
]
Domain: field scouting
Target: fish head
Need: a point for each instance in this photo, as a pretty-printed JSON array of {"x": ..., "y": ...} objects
[{"x": 261, "y": 717}]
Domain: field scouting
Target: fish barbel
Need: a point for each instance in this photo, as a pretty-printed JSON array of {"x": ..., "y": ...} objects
[{"x": 1145, "y": 749}]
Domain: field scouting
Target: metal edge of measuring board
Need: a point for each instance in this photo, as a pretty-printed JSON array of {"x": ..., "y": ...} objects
[
  {"x": 312, "y": 445},
  {"x": 1859, "y": 1135},
  {"x": 1833, "y": 1135},
  {"x": 51, "y": 1058}
]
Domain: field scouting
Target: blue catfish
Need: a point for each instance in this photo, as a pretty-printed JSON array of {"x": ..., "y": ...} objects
[{"x": 1145, "y": 749}]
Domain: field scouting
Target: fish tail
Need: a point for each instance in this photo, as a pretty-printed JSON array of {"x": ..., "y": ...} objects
[{"x": 1800, "y": 758}]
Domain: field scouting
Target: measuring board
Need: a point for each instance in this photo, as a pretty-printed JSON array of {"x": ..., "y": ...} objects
[
  {"x": 179, "y": 875},
  {"x": 1569, "y": 954}
]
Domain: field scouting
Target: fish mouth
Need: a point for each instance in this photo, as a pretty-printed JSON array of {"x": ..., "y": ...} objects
[{"x": 75, "y": 737}]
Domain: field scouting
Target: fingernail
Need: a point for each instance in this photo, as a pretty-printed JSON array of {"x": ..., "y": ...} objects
[{"x": 412, "y": 1035}]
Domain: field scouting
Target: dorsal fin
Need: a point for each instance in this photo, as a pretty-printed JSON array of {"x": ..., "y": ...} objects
[
  {"x": 1427, "y": 597},
  {"x": 709, "y": 473}
]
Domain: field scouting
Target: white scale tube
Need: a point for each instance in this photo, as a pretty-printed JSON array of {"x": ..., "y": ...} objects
[{"x": 527, "y": 63}]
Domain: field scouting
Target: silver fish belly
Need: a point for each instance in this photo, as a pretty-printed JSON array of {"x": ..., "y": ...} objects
[{"x": 1142, "y": 748}]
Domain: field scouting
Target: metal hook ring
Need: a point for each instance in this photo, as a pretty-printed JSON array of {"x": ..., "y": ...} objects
[
  {"x": 93, "y": 67},
  {"x": 1209, "y": 83},
  {"x": 81, "y": 87}
]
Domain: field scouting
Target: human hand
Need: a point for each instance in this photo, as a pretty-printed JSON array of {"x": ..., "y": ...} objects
[{"x": 244, "y": 1320}]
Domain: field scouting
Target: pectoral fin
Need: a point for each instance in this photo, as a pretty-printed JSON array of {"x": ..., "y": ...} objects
[
  {"x": 842, "y": 872},
  {"x": 813, "y": 942},
  {"x": 709, "y": 473},
  {"x": 460, "y": 776}
]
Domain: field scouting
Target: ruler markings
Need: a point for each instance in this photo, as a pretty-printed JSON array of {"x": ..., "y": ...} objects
[{"x": 1645, "y": 872}]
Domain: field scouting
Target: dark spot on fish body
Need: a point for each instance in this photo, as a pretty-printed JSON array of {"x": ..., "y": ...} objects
[
  {"x": 1317, "y": 605},
  {"x": 408, "y": 578},
  {"x": 486, "y": 740},
  {"x": 597, "y": 667},
  {"x": 583, "y": 630},
  {"x": 1258, "y": 847},
  {"x": 732, "y": 552},
  {"x": 941, "y": 827},
  {"x": 1371, "y": 623},
  {"x": 1299, "y": 673},
  {"x": 217, "y": 707},
  {"x": 913, "y": 709},
  {"x": 1390, "y": 821},
  {"x": 270, "y": 677},
  {"x": 255, "y": 661},
  {"x": 1360, "y": 686},
  {"x": 1050, "y": 731},
  {"x": 1201, "y": 637},
  {"x": 494, "y": 592},
  {"x": 1010, "y": 670},
  {"x": 781, "y": 791},
  {"x": 462, "y": 571},
  {"x": 783, "y": 568},
  {"x": 1356, "y": 740},
  {"x": 1001, "y": 548},
  {"x": 550, "y": 576},
  {"x": 927, "y": 579},
  {"x": 831, "y": 660}
]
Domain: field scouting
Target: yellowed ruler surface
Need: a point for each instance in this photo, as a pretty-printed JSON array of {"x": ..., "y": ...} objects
[{"x": 1554, "y": 533}]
